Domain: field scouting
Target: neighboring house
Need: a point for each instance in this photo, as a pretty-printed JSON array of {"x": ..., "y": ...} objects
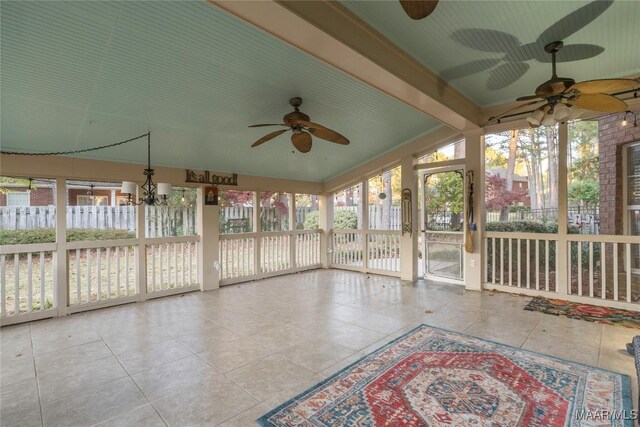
[
  {"x": 520, "y": 183},
  {"x": 77, "y": 195}
]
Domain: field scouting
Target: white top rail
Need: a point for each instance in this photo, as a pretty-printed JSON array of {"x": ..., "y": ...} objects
[{"x": 33, "y": 247}]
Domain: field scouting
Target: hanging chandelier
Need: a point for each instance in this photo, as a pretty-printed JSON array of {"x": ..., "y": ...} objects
[{"x": 152, "y": 194}]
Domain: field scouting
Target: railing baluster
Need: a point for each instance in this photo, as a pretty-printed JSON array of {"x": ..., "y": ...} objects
[
  {"x": 519, "y": 266},
  {"x": 591, "y": 269},
  {"x": 108, "y": 273},
  {"x": 493, "y": 260},
  {"x": 501, "y": 261},
  {"x": 78, "y": 284},
  {"x": 118, "y": 270},
  {"x": 190, "y": 249},
  {"x": 16, "y": 283},
  {"x": 126, "y": 268},
  {"x": 182, "y": 257},
  {"x": 546, "y": 265},
  {"x": 628, "y": 269},
  {"x": 579, "y": 269},
  {"x": 98, "y": 274},
  {"x": 537, "y": 264},
  {"x": 29, "y": 282},
  {"x": 3, "y": 285},
  {"x": 175, "y": 265},
  {"x": 615, "y": 272},
  {"x": 154, "y": 249},
  {"x": 510, "y": 262},
  {"x": 42, "y": 282},
  {"x": 603, "y": 269},
  {"x": 88, "y": 252}
]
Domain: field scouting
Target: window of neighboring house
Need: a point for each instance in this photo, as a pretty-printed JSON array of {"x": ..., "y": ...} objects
[
  {"x": 93, "y": 201},
  {"x": 18, "y": 198}
]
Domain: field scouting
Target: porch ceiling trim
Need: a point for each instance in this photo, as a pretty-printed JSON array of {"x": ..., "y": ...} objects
[
  {"x": 329, "y": 32},
  {"x": 438, "y": 137},
  {"x": 100, "y": 170}
]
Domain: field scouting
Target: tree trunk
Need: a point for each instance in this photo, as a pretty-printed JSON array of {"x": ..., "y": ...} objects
[
  {"x": 511, "y": 167},
  {"x": 553, "y": 167}
]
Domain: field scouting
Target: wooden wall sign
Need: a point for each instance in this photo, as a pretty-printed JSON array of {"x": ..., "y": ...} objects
[{"x": 209, "y": 178}]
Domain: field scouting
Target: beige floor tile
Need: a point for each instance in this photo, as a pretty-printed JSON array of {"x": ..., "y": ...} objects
[
  {"x": 19, "y": 404},
  {"x": 56, "y": 334},
  {"x": 17, "y": 370},
  {"x": 94, "y": 405},
  {"x": 172, "y": 377},
  {"x": 153, "y": 355},
  {"x": 144, "y": 416},
  {"x": 74, "y": 358},
  {"x": 56, "y": 384},
  {"x": 268, "y": 376},
  {"x": 15, "y": 343},
  {"x": 247, "y": 418},
  {"x": 316, "y": 355},
  {"x": 234, "y": 354},
  {"x": 205, "y": 404}
]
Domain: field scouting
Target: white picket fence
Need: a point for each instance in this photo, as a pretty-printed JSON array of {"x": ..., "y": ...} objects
[{"x": 376, "y": 217}]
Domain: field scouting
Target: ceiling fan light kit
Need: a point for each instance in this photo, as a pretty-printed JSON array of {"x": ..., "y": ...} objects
[{"x": 563, "y": 99}]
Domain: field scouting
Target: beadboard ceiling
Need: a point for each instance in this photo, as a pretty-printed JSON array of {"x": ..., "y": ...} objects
[
  {"x": 86, "y": 73},
  {"x": 473, "y": 44}
]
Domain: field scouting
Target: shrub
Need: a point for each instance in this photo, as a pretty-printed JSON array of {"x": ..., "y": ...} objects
[
  {"x": 345, "y": 219},
  {"x": 312, "y": 221},
  {"x": 48, "y": 235}
]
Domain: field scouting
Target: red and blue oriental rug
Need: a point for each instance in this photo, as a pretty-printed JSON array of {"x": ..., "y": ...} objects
[
  {"x": 588, "y": 312},
  {"x": 433, "y": 377}
]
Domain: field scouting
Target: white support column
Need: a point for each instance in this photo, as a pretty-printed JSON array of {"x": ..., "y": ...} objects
[
  {"x": 141, "y": 278},
  {"x": 325, "y": 205},
  {"x": 409, "y": 242},
  {"x": 562, "y": 265},
  {"x": 62, "y": 263},
  {"x": 208, "y": 246},
  {"x": 364, "y": 214},
  {"x": 474, "y": 160}
]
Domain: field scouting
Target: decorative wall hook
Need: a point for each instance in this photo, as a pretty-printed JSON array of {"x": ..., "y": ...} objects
[{"x": 406, "y": 212}]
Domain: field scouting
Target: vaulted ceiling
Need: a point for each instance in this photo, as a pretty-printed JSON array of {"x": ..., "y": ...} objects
[
  {"x": 75, "y": 75},
  {"x": 81, "y": 74},
  {"x": 493, "y": 51}
]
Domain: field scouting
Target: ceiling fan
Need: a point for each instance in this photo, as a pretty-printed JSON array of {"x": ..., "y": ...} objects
[
  {"x": 302, "y": 128},
  {"x": 561, "y": 94},
  {"x": 418, "y": 9}
]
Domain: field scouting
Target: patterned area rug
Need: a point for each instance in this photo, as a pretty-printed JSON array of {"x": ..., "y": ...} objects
[
  {"x": 591, "y": 313},
  {"x": 433, "y": 377}
]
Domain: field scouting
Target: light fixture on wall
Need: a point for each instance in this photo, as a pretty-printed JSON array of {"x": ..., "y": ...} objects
[
  {"x": 626, "y": 122},
  {"x": 151, "y": 193}
]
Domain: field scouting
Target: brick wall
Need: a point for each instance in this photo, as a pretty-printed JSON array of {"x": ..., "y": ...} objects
[
  {"x": 613, "y": 136},
  {"x": 39, "y": 196}
]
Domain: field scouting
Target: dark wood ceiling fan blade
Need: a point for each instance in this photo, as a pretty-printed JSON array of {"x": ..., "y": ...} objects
[
  {"x": 324, "y": 133},
  {"x": 527, "y": 98},
  {"x": 302, "y": 141},
  {"x": 605, "y": 85},
  {"x": 268, "y": 137},
  {"x": 418, "y": 9},
  {"x": 599, "y": 102},
  {"x": 269, "y": 124}
]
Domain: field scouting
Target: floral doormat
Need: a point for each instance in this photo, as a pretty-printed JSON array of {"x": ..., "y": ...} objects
[
  {"x": 591, "y": 313},
  {"x": 433, "y": 377}
]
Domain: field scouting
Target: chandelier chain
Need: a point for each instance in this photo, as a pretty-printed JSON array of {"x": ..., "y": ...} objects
[{"x": 86, "y": 150}]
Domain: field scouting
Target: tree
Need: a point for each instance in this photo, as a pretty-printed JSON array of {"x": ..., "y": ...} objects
[
  {"x": 584, "y": 192},
  {"x": 498, "y": 197}
]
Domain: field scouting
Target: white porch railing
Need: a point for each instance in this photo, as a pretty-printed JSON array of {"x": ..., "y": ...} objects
[
  {"x": 172, "y": 263},
  {"x": 100, "y": 271},
  {"x": 249, "y": 256},
  {"x": 604, "y": 267},
  {"x": 382, "y": 248},
  {"x": 521, "y": 260},
  {"x": 597, "y": 269},
  {"x": 27, "y": 281}
]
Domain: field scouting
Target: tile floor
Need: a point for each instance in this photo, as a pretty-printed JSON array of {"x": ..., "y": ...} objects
[{"x": 226, "y": 357}]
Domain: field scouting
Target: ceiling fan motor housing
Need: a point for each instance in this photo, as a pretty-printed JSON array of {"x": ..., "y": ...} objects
[{"x": 294, "y": 117}]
